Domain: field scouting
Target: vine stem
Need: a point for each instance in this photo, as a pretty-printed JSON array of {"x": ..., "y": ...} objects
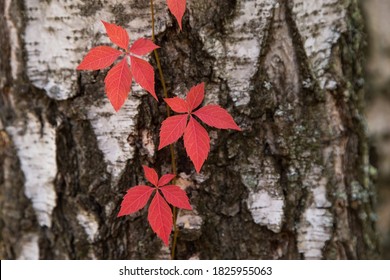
[{"x": 172, "y": 150}]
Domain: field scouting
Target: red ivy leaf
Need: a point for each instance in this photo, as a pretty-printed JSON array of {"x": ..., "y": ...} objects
[
  {"x": 117, "y": 35},
  {"x": 151, "y": 175},
  {"x": 135, "y": 199},
  {"x": 177, "y": 8},
  {"x": 195, "y": 96},
  {"x": 214, "y": 115},
  {"x": 177, "y": 104},
  {"x": 176, "y": 196},
  {"x": 118, "y": 84},
  {"x": 143, "y": 74},
  {"x": 118, "y": 80},
  {"x": 196, "y": 139},
  {"x": 197, "y": 143},
  {"x": 143, "y": 46},
  {"x": 160, "y": 218},
  {"x": 165, "y": 179},
  {"x": 159, "y": 214},
  {"x": 172, "y": 129},
  {"x": 99, "y": 58}
]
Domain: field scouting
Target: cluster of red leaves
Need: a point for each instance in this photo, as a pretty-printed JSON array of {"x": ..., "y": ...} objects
[
  {"x": 159, "y": 212},
  {"x": 196, "y": 138},
  {"x": 119, "y": 78}
]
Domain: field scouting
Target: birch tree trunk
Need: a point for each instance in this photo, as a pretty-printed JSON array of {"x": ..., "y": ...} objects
[{"x": 295, "y": 184}]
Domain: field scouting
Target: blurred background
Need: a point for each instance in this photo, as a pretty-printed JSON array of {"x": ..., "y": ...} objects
[{"x": 378, "y": 108}]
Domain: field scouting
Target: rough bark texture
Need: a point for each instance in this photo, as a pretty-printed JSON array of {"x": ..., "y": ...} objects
[{"x": 295, "y": 184}]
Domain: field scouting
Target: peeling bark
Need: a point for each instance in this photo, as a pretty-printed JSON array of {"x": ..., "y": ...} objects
[{"x": 294, "y": 184}]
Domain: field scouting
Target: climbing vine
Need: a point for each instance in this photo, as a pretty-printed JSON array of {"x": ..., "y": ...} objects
[{"x": 186, "y": 122}]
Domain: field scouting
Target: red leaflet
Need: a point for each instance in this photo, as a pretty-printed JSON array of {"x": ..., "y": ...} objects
[
  {"x": 159, "y": 213},
  {"x": 215, "y": 116},
  {"x": 151, "y": 175},
  {"x": 176, "y": 196},
  {"x": 172, "y": 129},
  {"x": 195, "y": 96},
  {"x": 196, "y": 139},
  {"x": 118, "y": 80},
  {"x": 165, "y": 179},
  {"x": 135, "y": 199},
  {"x": 177, "y": 104},
  {"x": 177, "y": 8},
  {"x": 118, "y": 84},
  {"x": 99, "y": 58},
  {"x": 117, "y": 35},
  {"x": 160, "y": 218},
  {"x": 143, "y": 74},
  {"x": 197, "y": 143},
  {"x": 143, "y": 46}
]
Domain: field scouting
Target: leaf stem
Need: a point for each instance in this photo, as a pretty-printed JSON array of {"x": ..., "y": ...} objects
[
  {"x": 175, "y": 233},
  {"x": 172, "y": 150}
]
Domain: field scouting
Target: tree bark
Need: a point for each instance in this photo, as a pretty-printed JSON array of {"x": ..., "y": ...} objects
[{"x": 294, "y": 184}]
